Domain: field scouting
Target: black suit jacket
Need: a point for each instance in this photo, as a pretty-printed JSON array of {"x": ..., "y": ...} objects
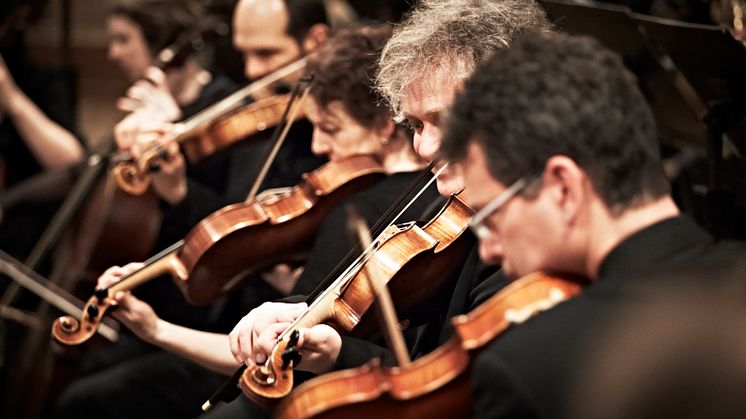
[{"x": 530, "y": 370}]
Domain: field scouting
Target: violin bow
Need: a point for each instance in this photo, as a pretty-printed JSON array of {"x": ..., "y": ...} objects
[
  {"x": 300, "y": 92},
  {"x": 387, "y": 313},
  {"x": 348, "y": 261}
]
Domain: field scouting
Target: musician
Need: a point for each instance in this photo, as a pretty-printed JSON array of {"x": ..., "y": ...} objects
[
  {"x": 421, "y": 68},
  {"x": 347, "y": 121},
  {"x": 37, "y": 129},
  {"x": 193, "y": 192},
  {"x": 560, "y": 156}
]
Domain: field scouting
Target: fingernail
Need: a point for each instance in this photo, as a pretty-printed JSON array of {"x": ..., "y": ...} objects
[{"x": 260, "y": 358}]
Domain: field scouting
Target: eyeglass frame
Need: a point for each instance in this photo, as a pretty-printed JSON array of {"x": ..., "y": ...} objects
[{"x": 476, "y": 224}]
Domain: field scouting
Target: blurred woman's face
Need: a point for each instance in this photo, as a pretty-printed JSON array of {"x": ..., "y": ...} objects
[{"x": 127, "y": 46}]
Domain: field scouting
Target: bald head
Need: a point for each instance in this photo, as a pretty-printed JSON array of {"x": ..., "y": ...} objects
[{"x": 274, "y": 33}]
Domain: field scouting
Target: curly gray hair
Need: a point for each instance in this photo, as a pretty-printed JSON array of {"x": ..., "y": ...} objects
[{"x": 452, "y": 36}]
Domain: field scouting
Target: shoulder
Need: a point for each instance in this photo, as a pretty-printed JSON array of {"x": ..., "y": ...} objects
[
  {"x": 498, "y": 391},
  {"x": 527, "y": 370}
]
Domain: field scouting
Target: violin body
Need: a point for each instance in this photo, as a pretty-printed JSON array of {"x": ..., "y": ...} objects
[
  {"x": 202, "y": 139},
  {"x": 242, "y": 239},
  {"x": 222, "y": 250},
  {"x": 414, "y": 261},
  {"x": 435, "y": 385},
  {"x": 246, "y": 121}
]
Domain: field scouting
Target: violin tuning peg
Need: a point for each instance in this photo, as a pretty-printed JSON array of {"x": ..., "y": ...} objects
[{"x": 290, "y": 358}]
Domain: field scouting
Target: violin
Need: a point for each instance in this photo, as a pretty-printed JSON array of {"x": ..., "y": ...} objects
[
  {"x": 415, "y": 262},
  {"x": 220, "y": 252},
  {"x": 214, "y": 129},
  {"x": 437, "y": 384}
]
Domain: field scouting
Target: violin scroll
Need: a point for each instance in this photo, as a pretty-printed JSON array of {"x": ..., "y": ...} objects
[
  {"x": 130, "y": 178},
  {"x": 134, "y": 176},
  {"x": 268, "y": 383},
  {"x": 70, "y": 331}
]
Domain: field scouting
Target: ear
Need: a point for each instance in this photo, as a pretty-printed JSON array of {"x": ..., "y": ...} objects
[
  {"x": 386, "y": 129},
  {"x": 566, "y": 183},
  {"x": 315, "y": 37}
]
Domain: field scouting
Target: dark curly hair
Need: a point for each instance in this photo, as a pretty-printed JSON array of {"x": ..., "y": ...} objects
[
  {"x": 554, "y": 94},
  {"x": 344, "y": 70}
]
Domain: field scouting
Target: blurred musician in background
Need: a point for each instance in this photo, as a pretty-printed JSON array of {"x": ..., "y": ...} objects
[{"x": 37, "y": 126}]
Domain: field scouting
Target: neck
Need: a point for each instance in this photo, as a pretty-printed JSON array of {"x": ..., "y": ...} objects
[
  {"x": 186, "y": 83},
  {"x": 609, "y": 231},
  {"x": 401, "y": 159}
]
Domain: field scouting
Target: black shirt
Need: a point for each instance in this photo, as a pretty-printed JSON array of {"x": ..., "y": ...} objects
[
  {"x": 333, "y": 242},
  {"x": 528, "y": 372},
  {"x": 236, "y": 170},
  {"x": 221, "y": 179}
]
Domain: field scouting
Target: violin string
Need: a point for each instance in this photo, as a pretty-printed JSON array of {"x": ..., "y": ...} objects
[
  {"x": 150, "y": 261},
  {"x": 237, "y": 97},
  {"x": 186, "y": 128},
  {"x": 376, "y": 230},
  {"x": 415, "y": 185},
  {"x": 362, "y": 258},
  {"x": 288, "y": 118}
]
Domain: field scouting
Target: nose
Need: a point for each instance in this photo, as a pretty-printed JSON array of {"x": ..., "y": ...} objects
[
  {"x": 113, "y": 52},
  {"x": 491, "y": 250},
  {"x": 320, "y": 146},
  {"x": 427, "y": 143},
  {"x": 255, "y": 69}
]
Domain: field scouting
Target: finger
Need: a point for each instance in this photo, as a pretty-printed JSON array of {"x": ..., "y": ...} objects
[
  {"x": 132, "y": 267},
  {"x": 128, "y": 104},
  {"x": 290, "y": 312},
  {"x": 114, "y": 270},
  {"x": 109, "y": 276},
  {"x": 233, "y": 343},
  {"x": 244, "y": 345},
  {"x": 316, "y": 338},
  {"x": 125, "y": 300},
  {"x": 155, "y": 75},
  {"x": 266, "y": 342},
  {"x": 140, "y": 91}
]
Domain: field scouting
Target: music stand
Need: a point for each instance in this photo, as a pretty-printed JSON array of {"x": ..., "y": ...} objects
[
  {"x": 713, "y": 62},
  {"x": 675, "y": 108}
]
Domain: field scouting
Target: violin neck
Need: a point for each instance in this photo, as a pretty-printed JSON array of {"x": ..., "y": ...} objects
[
  {"x": 235, "y": 100},
  {"x": 320, "y": 311},
  {"x": 166, "y": 261}
]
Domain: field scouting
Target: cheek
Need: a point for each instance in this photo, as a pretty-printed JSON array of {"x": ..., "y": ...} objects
[{"x": 536, "y": 237}]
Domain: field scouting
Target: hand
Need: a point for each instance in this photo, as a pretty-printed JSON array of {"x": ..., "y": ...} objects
[
  {"x": 254, "y": 337},
  {"x": 170, "y": 181},
  {"x": 141, "y": 131},
  {"x": 8, "y": 89},
  {"x": 137, "y": 315},
  {"x": 152, "y": 94},
  {"x": 138, "y": 129}
]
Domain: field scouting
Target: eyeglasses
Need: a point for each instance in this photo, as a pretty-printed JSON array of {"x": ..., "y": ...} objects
[{"x": 477, "y": 226}]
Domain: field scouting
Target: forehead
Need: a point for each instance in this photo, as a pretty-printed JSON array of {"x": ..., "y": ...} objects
[
  {"x": 120, "y": 23},
  {"x": 260, "y": 24},
  {"x": 430, "y": 94},
  {"x": 316, "y": 111}
]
